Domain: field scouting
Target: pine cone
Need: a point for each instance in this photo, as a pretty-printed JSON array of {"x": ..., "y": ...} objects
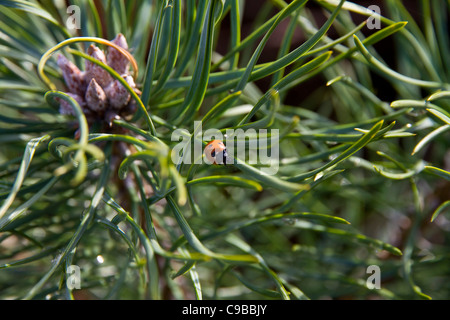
[{"x": 97, "y": 92}]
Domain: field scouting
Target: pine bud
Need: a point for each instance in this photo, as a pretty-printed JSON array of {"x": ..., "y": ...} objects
[
  {"x": 73, "y": 77},
  {"x": 96, "y": 99},
  {"x": 94, "y": 71},
  {"x": 117, "y": 94},
  {"x": 66, "y": 108},
  {"x": 115, "y": 59}
]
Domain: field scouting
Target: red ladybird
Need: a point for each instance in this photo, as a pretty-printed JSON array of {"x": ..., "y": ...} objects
[{"x": 216, "y": 152}]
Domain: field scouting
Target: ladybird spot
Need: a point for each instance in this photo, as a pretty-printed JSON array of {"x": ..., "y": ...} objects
[{"x": 225, "y": 156}]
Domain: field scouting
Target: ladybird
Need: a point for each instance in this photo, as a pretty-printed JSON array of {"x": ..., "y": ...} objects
[{"x": 216, "y": 152}]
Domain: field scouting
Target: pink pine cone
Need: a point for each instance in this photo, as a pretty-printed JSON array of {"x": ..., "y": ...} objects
[{"x": 100, "y": 95}]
